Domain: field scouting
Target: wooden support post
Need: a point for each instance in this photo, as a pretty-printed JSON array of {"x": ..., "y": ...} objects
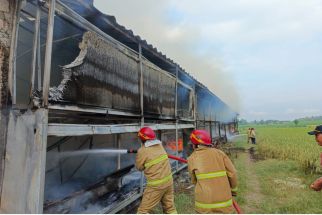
[
  {"x": 39, "y": 80},
  {"x": 141, "y": 104},
  {"x": 48, "y": 54},
  {"x": 118, "y": 141},
  {"x": 195, "y": 107},
  {"x": 12, "y": 77},
  {"x": 176, "y": 117},
  {"x": 141, "y": 85},
  {"x": 210, "y": 127},
  {"x": 35, "y": 52}
]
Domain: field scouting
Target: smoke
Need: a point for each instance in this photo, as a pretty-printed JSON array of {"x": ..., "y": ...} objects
[{"x": 180, "y": 39}]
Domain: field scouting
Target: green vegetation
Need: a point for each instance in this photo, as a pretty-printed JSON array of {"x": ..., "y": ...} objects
[
  {"x": 285, "y": 188},
  {"x": 276, "y": 178},
  {"x": 273, "y": 185},
  {"x": 289, "y": 142},
  {"x": 183, "y": 201},
  {"x": 314, "y": 120},
  {"x": 242, "y": 179}
]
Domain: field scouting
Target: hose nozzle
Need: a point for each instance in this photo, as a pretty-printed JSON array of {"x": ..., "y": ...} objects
[{"x": 132, "y": 151}]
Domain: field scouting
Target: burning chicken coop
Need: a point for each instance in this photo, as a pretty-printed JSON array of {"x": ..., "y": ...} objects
[{"x": 72, "y": 78}]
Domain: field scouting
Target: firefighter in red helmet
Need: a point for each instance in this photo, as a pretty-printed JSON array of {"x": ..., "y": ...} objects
[
  {"x": 213, "y": 174},
  {"x": 153, "y": 160}
]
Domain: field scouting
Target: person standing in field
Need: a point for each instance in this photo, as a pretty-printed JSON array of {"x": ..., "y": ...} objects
[
  {"x": 153, "y": 160},
  {"x": 252, "y": 135},
  {"x": 248, "y": 135},
  {"x": 317, "y": 184},
  {"x": 213, "y": 174}
]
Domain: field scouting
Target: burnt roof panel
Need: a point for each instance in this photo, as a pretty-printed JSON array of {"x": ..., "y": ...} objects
[{"x": 109, "y": 25}]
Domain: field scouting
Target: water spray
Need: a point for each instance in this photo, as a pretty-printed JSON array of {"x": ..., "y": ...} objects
[{"x": 97, "y": 152}]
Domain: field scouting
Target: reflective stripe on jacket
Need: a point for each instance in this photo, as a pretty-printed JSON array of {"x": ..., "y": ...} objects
[
  {"x": 211, "y": 175},
  {"x": 156, "y": 161},
  {"x": 215, "y": 178},
  {"x": 153, "y": 160},
  {"x": 214, "y": 205}
]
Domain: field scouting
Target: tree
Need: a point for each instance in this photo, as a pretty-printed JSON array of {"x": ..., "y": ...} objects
[
  {"x": 242, "y": 121},
  {"x": 296, "y": 122}
]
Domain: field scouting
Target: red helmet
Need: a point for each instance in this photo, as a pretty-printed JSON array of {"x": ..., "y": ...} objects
[
  {"x": 200, "y": 137},
  {"x": 146, "y": 133}
]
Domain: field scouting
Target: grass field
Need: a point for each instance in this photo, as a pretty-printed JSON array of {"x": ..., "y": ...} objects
[
  {"x": 289, "y": 142},
  {"x": 273, "y": 185},
  {"x": 276, "y": 179}
]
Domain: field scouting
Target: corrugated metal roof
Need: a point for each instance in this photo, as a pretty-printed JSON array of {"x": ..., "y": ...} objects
[{"x": 110, "y": 26}]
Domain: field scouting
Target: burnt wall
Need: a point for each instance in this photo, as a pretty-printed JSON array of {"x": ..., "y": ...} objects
[
  {"x": 212, "y": 108},
  {"x": 108, "y": 75},
  {"x": 66, "y": 40},
  {"x": 67, "y": 174},
  {"x": 102, "y": 75},
  {"x": 184, "y": 102},
  {"x": 6, "y": 19},
  {"x": 159, "y": 91}
]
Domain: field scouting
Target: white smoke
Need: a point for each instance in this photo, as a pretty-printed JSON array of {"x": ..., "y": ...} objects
[{"x": 179, "y": 39}]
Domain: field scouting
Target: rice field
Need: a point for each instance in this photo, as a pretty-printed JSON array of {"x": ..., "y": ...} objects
[{"x": 289, "y": 143}]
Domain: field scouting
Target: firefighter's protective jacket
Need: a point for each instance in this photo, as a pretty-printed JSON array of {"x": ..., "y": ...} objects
[
  {"x": 215, "y": 178},
  {"x": 153, "y": 160},
  {"x": 252, "y": 134},
  {"x": 248, "y": 133}
]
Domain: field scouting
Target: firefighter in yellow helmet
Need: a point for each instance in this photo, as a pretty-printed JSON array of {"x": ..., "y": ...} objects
[
  {"x": 213, "y": 174},
  {"x": 153, "y": 160}
]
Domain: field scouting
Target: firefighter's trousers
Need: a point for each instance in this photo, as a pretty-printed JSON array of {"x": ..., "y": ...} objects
[{"x": 153, "y": 195}]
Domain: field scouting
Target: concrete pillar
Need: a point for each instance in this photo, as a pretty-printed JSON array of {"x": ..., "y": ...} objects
[
  {"x": 7, "y": 11},
  {"x": 25, "y": 160}
]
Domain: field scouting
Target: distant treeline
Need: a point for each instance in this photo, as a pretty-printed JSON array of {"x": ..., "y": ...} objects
[{"x": 302, "y": 121}]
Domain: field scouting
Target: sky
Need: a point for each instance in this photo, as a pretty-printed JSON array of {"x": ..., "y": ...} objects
[{"x": 263, "y": 58}]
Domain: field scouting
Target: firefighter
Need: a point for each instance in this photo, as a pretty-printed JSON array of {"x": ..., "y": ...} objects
[
  {"x": 153, "y": 160},
  {"x": 317, "y": 184},
  {"x": 252, "y": 135},
  {"x": 213, "y": 174},
  {"x": 248, "y": 135}
]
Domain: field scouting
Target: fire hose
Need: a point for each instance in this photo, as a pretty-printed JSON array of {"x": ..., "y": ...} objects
[{"x": 236, "y": 206}]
